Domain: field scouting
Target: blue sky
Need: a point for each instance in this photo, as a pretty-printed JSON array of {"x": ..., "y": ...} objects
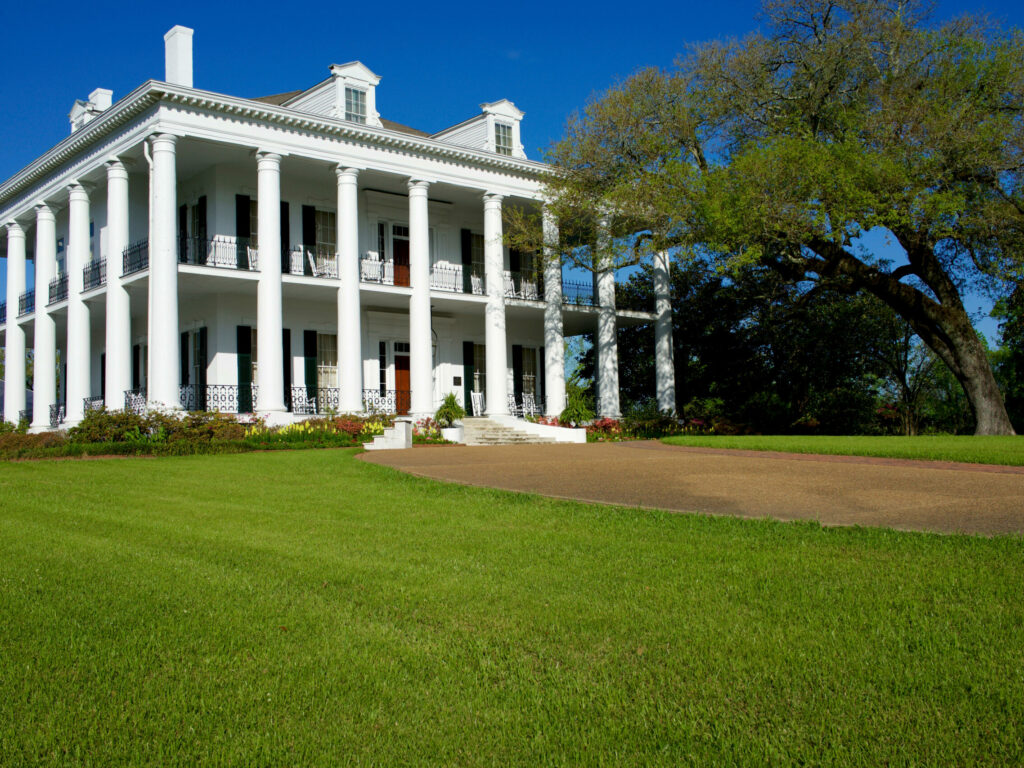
[{"x": 437, "y": 62}]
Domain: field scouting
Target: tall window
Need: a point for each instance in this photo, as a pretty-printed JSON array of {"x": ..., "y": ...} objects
[
  {"x": 355, "y": 105},
  {"x": 326, "y": 360},
  {"x": 529, "y": 371},
  {"x": 254, "y": 338},
  {"x": 503, "y": 139},
  {"x": 326, "y": 233},
  {"x": 254, "y": 223},
  {"x": 479, "y": 368},
  {"x": 476, "y": 251}
]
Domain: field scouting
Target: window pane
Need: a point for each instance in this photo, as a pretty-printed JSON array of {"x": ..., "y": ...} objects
[{"x": 503, "y": 139}]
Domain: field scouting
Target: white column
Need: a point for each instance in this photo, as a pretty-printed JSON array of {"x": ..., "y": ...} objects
[
  {"x": 44, "y": 362},
  {"x": 270, "y": 371},
  {"x": 607, "y": 339},
  {"x": 421, "y": 344},
  {"x": 350, "y": 335},
  {"x": 119, "y": 315},
  {"x": 164, "y": 347},
  {"x": 79, "y": 374},
  {"x": 664, "y": 354},
  {"x": 554, "y": 339},
  {"x": 14, "y": 355},
  {"x": 495, "y": 336}
]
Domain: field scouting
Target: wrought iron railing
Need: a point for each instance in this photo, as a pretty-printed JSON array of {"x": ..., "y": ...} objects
[
  {"x": 136, "y": 257},
  {"x": 578, "y": 293},
  {"x": 92, "y": 403},
  {"x": 3, "y": 312},
  {"x": 528, "y": 285},
  {"x": 26, "y": 303},
  {"x": 387, "y": 400},
  {"x": 94, "y": 274},
  {"x": 220, "y": 252},
  {"x": 135, "y": 400},
  {"x": 380, "y": 271},
  {"x": 456, "y": 278},
  {"x": 230, "y": 398},
  {"x": 24, "y": 415},
  {"x": 56, "y": 415},
  {"x": 307, "y": 401},
  {"x": 58, "y": 289},
  {"x": 313, "y": 261}
]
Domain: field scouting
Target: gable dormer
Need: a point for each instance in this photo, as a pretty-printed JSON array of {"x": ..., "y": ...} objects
[
  {"x": 495, "y": 129},
  {"x": 349, "y": 94},
  {"x": 84, "y": 111}
]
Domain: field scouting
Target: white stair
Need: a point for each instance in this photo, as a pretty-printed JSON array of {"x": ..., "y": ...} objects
[{"x": 483, "y": 431}]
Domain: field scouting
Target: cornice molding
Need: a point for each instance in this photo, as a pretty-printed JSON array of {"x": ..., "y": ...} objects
[{"x": 152, "y": 93}]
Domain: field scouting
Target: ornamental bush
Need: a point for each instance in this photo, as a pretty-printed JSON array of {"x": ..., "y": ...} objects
[{"x": 450, "y": 411}]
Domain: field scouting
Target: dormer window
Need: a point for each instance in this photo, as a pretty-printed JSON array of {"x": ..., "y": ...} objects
[
  {"x": 355, "y": 105},
  {"x": 503, "y": 139}
]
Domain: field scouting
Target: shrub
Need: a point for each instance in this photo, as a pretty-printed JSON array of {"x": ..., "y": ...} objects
[
  {"x": 579, "y": 405},
  {"x": 450, "y": 411}
]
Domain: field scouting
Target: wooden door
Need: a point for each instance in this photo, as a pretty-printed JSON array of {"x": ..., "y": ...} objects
[
  {"x": 400, "y": 248},
  {"x": 403, "y": 395}
]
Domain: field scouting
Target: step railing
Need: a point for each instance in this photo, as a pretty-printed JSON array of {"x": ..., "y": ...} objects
[
  {"x": 56, "y": 415},
  {"x": 90, "y": 404}
]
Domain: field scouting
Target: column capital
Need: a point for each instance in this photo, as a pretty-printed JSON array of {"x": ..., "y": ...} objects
[
  {"x": 78, "y": 191},
  {"x": 44, "y": 212},
  {"x": 492, "y": 200},
  {"x": 14, "y": 229},
  {"x": 164, "y": 142},
  {"x": 346, "y": 173},
  {"x": 267, "y": 159},
  {"x": 418, "y": 186},
  {"x": 116, "y": 168}
]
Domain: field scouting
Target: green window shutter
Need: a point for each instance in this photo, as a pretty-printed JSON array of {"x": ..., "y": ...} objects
[
  {"x": 243, "y": 230},
  {"x": 183, "y": 361},
  {"x": 285, "y": 240},
  {"x": 308, "y": 235},
  {"x": 286, "y": 340},
  {"x": 202, "y": 360},
  {"x": 244, "y": 347},
  {"x": 467, "y": 263},
  {"x": 200, "y": 232},
  {"x": 183, "y": 234},
  {"x": 136, "y": 366},
  {"x": 309, "y": 353},
  {"x": 468, "y": 370},
  {"x": 517, "y": 371}
]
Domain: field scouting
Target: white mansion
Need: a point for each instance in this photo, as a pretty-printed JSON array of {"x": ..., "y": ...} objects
[{"x": 288, "y": 255}]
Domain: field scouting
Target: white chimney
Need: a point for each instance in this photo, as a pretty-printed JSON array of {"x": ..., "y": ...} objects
[
  {"x": 178, "y": 56},
  {"x": 101, "y": 99}
]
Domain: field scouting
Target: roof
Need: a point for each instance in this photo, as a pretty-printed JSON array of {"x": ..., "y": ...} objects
[{"x": 279, "y": 99}]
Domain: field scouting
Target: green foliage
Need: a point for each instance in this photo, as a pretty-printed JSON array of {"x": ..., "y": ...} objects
[
  {"x": 579, "y": 403},
  {"x": 450, "y": 411}
]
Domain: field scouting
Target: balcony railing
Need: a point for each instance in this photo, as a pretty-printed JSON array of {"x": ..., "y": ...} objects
[
  {"x": 56, "y": 415},
  {"x": 92, "y": 403},
  {"x": 136, "y": 257},
  {"x": 527, "y": 285},
  {"x": 24, "y": 415},
  {"x": 220, "y": 252},
  {"x": 578, "y": 293},
  {"x": 230, "y": 398},
  {"x": 376, "y": 270},
  {"x": 456, "y": 278},
  {"x": 135, "y": 400},
  {"x": 312, "y": 261},
  {"x": 308, "y": 401},
  {"x": 94, "y": 274},
  {"x": 387, "y": 400},
  {"x": 26, "y": 303},
  {"x": 58, "y": 289},
  {"x": 3, "y": 312}
]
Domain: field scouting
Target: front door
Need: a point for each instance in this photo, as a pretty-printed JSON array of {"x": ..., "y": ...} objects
[
  {"x": 400, "y": 249},
  {"x": 403, "y": 396}
]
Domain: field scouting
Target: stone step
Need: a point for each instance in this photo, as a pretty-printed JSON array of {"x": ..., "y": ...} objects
[{"x": 484, "y": 432}]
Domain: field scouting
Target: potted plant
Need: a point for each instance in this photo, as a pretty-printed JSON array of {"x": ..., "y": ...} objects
[{"x": 448, "y": 417}]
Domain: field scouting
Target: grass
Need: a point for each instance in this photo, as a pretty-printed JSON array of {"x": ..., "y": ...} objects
[
  {"x": 969, "y": 448},
  {"x": 304, "y": 608}
]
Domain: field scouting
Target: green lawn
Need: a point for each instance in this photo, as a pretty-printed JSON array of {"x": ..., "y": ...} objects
[
  {"x": 303, "y": 608},
  {"x": 980, "y": 450}
]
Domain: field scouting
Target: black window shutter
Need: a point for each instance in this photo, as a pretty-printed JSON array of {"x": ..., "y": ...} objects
[
  {"x": 468, "y": 371},
  {"x": 183, "y": 362},
  {"x": 543, "y": 381},
  {"x": 136, "y": 366},
  {"x": 517, "y": 371},
  {"x": 286, "y": 342},
  {"x": 243, "y": 230},
  {"x": 103, "y": 374},
  {"x": 244, "y": 346},
  {"x": 200, "y": 219},
  {"x": 285, "y": 239},
  {"x": 183, "y": 234},
  {"x": 467, "y": 261},
  {"x": 515, "y": 260},
  {"x": 309, "y": 353},
  {"x": 200, "y": 364}
]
